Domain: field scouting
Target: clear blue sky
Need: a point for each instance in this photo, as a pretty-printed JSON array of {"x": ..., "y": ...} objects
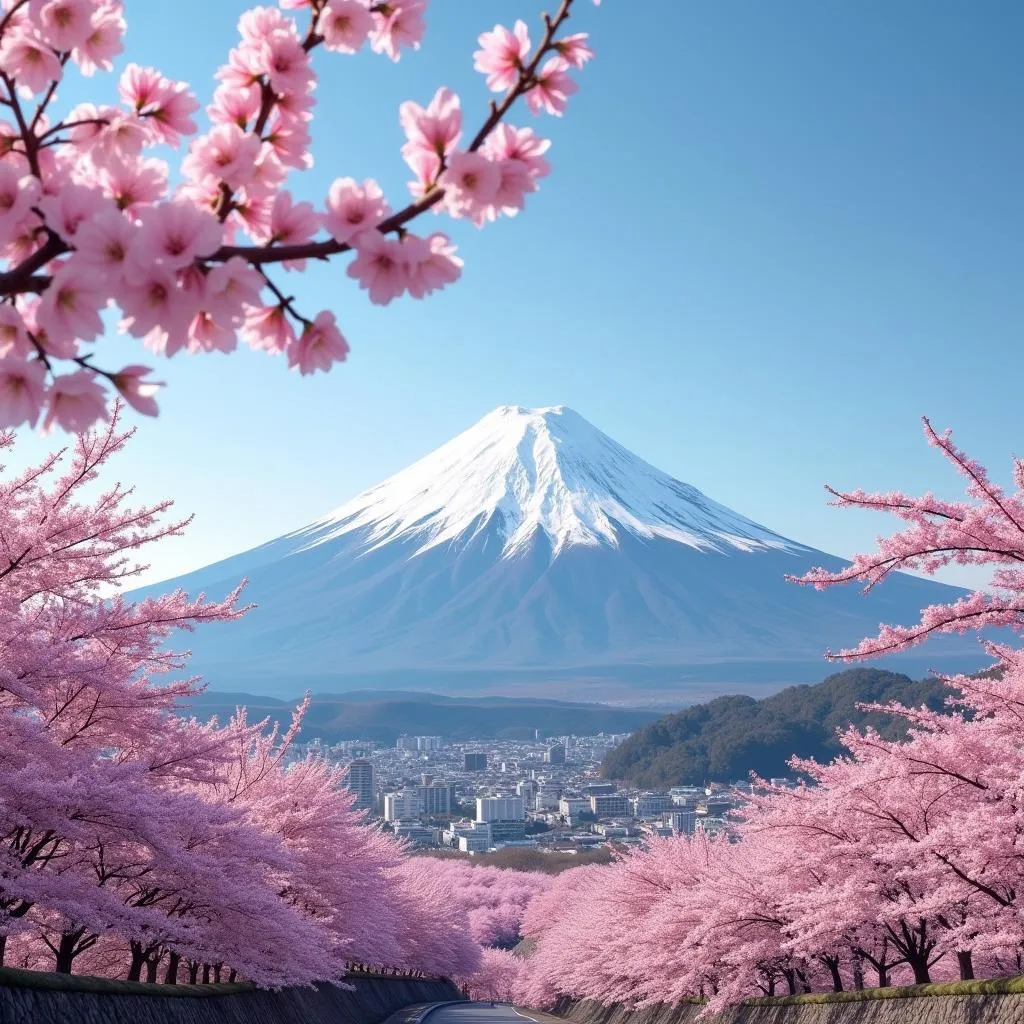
[{"x": 774, "y": 236}]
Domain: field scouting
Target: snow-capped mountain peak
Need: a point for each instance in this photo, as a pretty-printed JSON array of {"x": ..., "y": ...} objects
[{"x": 535, "y": 470}]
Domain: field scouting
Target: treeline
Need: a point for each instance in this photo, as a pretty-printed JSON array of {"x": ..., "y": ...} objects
[
  {"x": 726, "y": 738},
  {"x": 335, "y": 717}
]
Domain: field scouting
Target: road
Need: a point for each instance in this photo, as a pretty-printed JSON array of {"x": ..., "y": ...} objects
[{"x": 477, "y": 1013}]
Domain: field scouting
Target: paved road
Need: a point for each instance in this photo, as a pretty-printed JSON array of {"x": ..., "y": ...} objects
[{"x": 477, "y": 1013}]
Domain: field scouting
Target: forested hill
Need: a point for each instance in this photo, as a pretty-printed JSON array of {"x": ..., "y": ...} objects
[{"x": 728, "y": 737}]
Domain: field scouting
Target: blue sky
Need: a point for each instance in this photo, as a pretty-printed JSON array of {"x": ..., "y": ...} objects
[{"x": 774, "y": 236}]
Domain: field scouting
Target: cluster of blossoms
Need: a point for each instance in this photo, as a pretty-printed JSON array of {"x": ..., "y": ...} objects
[{"x": 89, "y": 220}]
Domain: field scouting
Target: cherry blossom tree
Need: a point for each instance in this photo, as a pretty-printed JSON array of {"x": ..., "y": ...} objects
[
  {"x": 897, "y": 863},
  {"x": 90, "y": 218},
  {"x": 142, "y": 843}
]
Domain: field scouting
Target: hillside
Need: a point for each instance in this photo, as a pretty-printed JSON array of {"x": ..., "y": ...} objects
[
  {"x": 384, "y": 717},
  {"x": 729, "y": 737}
]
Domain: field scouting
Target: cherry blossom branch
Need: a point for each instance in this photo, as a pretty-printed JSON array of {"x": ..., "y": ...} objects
[{"x": 324, "y": 249}]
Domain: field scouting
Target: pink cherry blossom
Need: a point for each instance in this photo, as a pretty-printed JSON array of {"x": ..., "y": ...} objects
[
  {"x": 103, "y": 244},
  {"x": 229, "y": 288},
  {"x": 268, "y": 328},
  {"x": 103, "y": 43},
  {"x": 507, "y": 142},
  {"x": 70, "y": 208},
  {"x": 379, "y": 267},
  {"x": 226, "y": 153},
  {"x": 18, "y": 193},
  {"x": 174, "y": 235},
  {"x": 70, "y": 307},
  {"x": 13, "y": 336},
  {"x": 432, "y": 133},
  {"x": 319, "y": 346},
  {"x": 138, "y": 393},
  {"x": 286, "y": 63},
  {"x": 167, "y": 106},
  {"x": 399, "y": 25},
  {"x": 66, "y": 24},
  {"x": 574, "y": 49},
  {"x": 502, "y": 55},
  {"x": 22, "y": 391},
  {"x": 27, "y": 59},
  {"x": 133, "y": 184},
  {"x": 152, "y": 302},
  {"x": 345, "y": 25},
  {"x": 261, "y": 23},
  {"x": 471, "y": 183},
  {"x": 432, "y": 266},
  {"x": 552, "y": 89},
  {"x": 74, "y": 402},
  {"x": 234, "y": 105},
  {"x": 352, "y": 208}
]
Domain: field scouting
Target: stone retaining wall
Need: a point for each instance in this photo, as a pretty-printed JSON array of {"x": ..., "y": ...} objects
[
  {"x": 51, "y": 999},
  {"x": 981, "y": 1008}
]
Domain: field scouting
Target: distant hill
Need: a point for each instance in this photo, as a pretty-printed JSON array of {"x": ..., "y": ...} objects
[
  {"x": 384, "y": 716},
  {"x": 729, "y": 737}
]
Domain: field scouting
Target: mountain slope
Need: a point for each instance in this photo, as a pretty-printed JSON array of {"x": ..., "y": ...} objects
[
  {"x": 728, "y": 737},
  {"x": 534, "y": 549}
]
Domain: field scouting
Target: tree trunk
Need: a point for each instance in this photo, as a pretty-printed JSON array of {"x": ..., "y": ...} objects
[
  {"x": 920, "y": 967},
  {"x": 883, "y": 975},
  {"x": 3, "y": 948},
  {"x": 138, "y": 959},
  {"x": 206, "y": 974},
  {"x": 66, "y": 952},
  {"x": 216, "y": 974},
  {"x": 837, "y": 978},
  {"x": 171, "y": 974},
  {"x": 966, "y": 965},
  {"x": 232, "y": 974},
  {"x": 193, "y": 972},
  {"x": 152, "y": 962},
  {"x": 858, "y": 973},
  {"x": 790, "y": 981}
]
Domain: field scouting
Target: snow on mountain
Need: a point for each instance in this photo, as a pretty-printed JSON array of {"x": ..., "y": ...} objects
[
  {"x": 533, "y": 551},
  {"x": 538, "y": 469}
]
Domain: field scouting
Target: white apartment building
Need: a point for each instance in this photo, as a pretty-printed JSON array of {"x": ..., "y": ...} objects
[{"x": 500, "y": 808}]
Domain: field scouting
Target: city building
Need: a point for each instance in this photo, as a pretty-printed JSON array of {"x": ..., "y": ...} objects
[
  {"x": 649, "y": 804},
  {"x": 597, "y": 789},
  {"x": 610, "y": 805},
  {"x": 477, "y": 840},
  {"x": 569, "y": 806},
  {"x": 359, "y": 780},
  {"x": 527, "y": 789},
  {"x": 475, "y": 762},
  {"x": 418, "y": 834},
  {"x": 547, "y": 797},
  {"x": 435, "y": 798},
  {"x": 500, "y": 808},
  {"x": 686, "y": 796},
  {"x": 507, "y": 832},
  {"x": 555, "y": 754},
  {"x": 612, "y": 831},
  {"x": 401, "y": 805},
  {"x": 682, "y": 822}
]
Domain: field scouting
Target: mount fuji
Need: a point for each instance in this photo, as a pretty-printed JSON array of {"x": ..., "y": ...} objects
[{"x": 532, "y": 553}]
